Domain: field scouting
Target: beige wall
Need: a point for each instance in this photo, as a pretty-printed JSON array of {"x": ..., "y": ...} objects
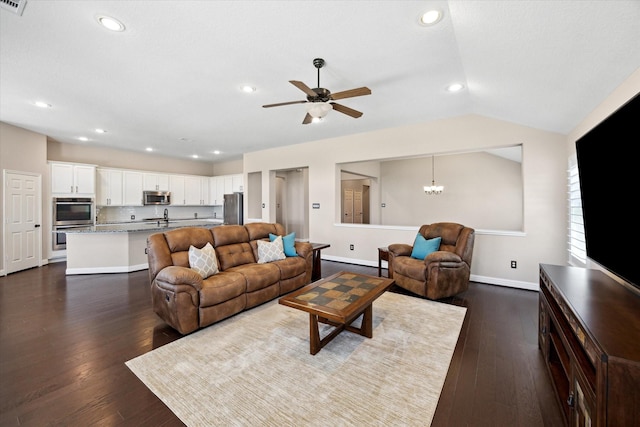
[
  {"x": 24, "y": 151},
  {"x": 105, "y": 157},
  {"x": 544, "y": 180}
]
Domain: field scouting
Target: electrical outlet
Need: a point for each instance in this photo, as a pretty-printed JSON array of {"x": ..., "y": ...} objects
[
  {"x": 351, "y": 247},
  {"x": 514, "y": 264},
  {"x": 133, "y": 217}
]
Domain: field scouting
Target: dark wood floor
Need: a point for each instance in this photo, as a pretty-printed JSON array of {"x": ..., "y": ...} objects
[{"x": 64, "y": 341}]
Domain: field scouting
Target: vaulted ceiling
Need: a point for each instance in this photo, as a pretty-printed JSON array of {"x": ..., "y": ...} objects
[{"x": 172, "y": 80}]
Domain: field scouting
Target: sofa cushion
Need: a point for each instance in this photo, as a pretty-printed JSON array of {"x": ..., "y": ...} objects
[
  {"x": 289, "y": 243},
  {"x": 233, "y": 255},
  {"x": 203, "y": 260},
  {"x": 291, "y": 267},
  {"x": 270, "y": 251},
  {"x": 423, "y": 247},
  {"x": 258, "y": 276},
  {"x": 222, "y": 287},
  {"x": 261, "y": 230}
]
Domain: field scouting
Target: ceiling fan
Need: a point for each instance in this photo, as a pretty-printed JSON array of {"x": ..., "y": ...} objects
[{"x": 320, "y": 100}]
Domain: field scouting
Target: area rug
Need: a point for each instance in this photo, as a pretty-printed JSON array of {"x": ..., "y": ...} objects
[{"x": 255, "y": 369}]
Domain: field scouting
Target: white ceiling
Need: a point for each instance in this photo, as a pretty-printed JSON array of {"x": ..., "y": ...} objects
[{"x": 172, "y": 79}]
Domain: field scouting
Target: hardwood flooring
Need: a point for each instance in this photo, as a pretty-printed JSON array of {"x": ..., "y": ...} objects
[{"x": 64, "y": 341}]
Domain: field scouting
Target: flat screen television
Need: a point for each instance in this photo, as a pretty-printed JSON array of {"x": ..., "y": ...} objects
[{"x": 608, "y": 175}]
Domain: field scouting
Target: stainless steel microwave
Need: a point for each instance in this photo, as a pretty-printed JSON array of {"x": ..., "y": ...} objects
[{"x": 156, "y": 197}]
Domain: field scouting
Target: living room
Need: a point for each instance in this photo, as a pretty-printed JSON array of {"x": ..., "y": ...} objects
[{"x": 545, "y": 158}]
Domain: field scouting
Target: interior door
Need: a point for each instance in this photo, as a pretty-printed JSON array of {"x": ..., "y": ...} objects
[
  {"x": 347, "y": 207},
  {"x": 281, "y": 185},
  {"x": 357, "y": 207},
  {"x": 23, "y": 231}
]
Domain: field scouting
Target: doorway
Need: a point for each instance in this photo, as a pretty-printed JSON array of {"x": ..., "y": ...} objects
[{"x": 22, "y": 231}]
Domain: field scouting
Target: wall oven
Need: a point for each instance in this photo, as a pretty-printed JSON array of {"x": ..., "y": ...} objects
[{"x": 70, "y": 213}]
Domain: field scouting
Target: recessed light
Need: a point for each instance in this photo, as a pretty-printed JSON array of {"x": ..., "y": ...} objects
[
  {"x": 195, "y": 156},
  {"x": 317, "y": 120},
  {"x": 83, "y": 138},
  {"x": 110, "y": 23},
  {"x": 42, "y": 104},
  {"x": 148, "y": 149},
  {"x": 430, "y": 17},
  {"x": 455, "y": 87},
  {"x": 101, "y": 131},
  {"x": 216, "y": 152},
  {"x": 248, "y": 89}
]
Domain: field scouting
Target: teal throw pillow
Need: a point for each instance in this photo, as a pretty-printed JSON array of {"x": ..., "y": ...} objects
[
  {"x": 289, "y": 243},
  {"x": 423, "y": 247}
]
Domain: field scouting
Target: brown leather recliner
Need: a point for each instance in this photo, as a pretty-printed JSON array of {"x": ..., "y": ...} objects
[{"x": 442, "y": 273}]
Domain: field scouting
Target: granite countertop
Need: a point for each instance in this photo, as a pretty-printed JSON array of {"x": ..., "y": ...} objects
[{"x": 134, "y": 226}]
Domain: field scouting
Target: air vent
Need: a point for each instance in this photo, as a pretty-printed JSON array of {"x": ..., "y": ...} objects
[{"x": 15, "y": 6}]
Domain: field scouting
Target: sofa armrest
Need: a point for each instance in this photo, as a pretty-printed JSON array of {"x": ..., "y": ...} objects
[
  {"x": 400, "y": 249},
  {"x": 443, "y": 257},
  {"x": 174, "y": 276},
  {"x": 304, "y": 249}
]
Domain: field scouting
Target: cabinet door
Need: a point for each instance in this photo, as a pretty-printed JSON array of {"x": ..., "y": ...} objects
[
  {"x": 219, "y": 191},
  {"x": 84, "y": 180},
  {"x": 583, "y": 404},
  {"x": 237, "y": 183},
  {"x": 61, "y": 178},
  {"x": 132, "y": 188},
  {"x": 110, "y": 191},
  {"x": 228, "y": 184},
  {"x": 192, "y": 190},
  {"x": 204, "y": 193},
  {"x": 176, "y": 186},
  {"x": 155, "y": 182}
]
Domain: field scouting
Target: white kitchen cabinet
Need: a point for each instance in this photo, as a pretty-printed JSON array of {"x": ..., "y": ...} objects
[
  {"x": 155, "y": 181},
  {"x": 176, "y": 186},
  {"x": 216, "y": 190},
  {"x": 237, "y": 183},
  {"x": 196, "y": 190},
  {"x": 133, "y": 182},
  {"x": 110, "y": 190},
  {"x": 228, "y": 184},
  {"x": 73, "y": 180}
]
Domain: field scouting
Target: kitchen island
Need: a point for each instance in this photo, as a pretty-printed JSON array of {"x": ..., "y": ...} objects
[{"x": 118, "y": 248}]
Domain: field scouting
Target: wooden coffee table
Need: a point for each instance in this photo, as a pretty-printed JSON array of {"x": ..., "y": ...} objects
[{"x": 338, "y": 301}]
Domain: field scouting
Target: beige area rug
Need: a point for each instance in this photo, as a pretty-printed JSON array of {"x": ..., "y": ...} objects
[{"x": 255, "y": 368}]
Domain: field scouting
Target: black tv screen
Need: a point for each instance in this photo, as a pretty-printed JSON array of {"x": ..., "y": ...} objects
[{"x": 608, "y": 173}]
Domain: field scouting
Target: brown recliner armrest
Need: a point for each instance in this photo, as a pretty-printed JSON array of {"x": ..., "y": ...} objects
[
  {"x": 172, "y": 276},
  {"x": 443, "y": 257},
  {"x": 400, "y": 249},
  {"x": 303, "y": 249}
]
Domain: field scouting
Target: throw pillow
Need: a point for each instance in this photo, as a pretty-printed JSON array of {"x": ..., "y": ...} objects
[
  {"x": 270, "y": 251},
  {"x": 203, "y": 260},
  {"x": 423, "y": 247},
  {"x": 289, "y": 242}
]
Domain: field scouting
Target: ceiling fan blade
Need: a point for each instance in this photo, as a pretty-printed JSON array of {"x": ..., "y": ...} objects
[
  {"x": 303, "y": 87},
  {"x": 351, "y": 93},
  {"x": 346, "y": 110},
  {"x": 284, "y": 103},
  {"x": 307, "y": 119}
]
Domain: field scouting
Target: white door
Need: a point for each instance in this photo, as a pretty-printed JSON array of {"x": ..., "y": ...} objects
[
  {"x": 23, "y": 231},
  {"x": 347, "y": 207},
  {"x": 281, "y": 185},
  {"x": 357, "y": 207}
]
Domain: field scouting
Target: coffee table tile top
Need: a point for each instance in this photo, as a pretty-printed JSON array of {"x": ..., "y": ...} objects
[{"x": 340, "y": 291}]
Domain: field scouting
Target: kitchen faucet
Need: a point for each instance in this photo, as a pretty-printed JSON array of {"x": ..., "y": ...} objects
[{"x": 166, "y": 214}]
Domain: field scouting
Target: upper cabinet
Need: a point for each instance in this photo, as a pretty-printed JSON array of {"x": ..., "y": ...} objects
[
  {"x": 74, "y": 180},
  {"x": 133, "y": 182},
  {"x": 237, "y": 183},
  {"x": 155, "y": 181},
  {"x": 176, "y": 186},
  {"x": 110, "y": 187},
  {"x": 196, "y": 190}
]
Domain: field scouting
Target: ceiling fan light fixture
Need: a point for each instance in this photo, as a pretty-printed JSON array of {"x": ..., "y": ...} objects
[{"x": 318, "y": 110}]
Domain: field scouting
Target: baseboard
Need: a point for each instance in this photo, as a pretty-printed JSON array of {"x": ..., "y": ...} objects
[
  {"x": 100, "y": 270},
  {"x": 518, "y": 284}
]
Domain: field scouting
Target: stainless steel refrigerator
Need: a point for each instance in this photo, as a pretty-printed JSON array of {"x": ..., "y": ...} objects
[{"x": 233, "y": 209}]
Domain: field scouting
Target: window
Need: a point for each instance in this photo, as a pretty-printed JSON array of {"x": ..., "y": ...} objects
[{"x": 577, "y": 248}]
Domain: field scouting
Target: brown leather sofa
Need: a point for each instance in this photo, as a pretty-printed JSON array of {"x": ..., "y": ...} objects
[
  {"x": 187, "y": 302},
  {"x": 442, "y": 273}
]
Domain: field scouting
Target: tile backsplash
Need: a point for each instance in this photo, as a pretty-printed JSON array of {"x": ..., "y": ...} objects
[{"x": 111, "y": 214}]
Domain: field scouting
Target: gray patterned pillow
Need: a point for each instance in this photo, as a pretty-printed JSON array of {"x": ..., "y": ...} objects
[
  {"x": 203, "y": 260},
  {"x": 270, "y": 251}
]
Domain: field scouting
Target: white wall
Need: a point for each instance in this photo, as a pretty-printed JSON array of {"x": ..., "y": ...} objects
[{"x": 544, "y": 179}]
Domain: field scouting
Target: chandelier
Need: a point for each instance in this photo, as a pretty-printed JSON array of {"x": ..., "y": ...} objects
[{"x": 433, "y": 188}]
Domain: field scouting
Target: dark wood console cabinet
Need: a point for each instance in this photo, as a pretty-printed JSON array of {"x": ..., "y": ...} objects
[{"x": 589, "y": 335}]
